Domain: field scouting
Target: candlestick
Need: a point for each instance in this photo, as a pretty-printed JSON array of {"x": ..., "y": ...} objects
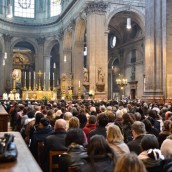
[
  {"x": 79, "y": 84},
  {"x": 44, "y": 75},
  {"x": 29, "y": 75},
  {"x": 24, "y": 75},
  {"x": 49, "y": 75},
  {"x": 54, "y": 66},
  {"x": 33, "y": 75},
  {"x": 53, "y": 75}
]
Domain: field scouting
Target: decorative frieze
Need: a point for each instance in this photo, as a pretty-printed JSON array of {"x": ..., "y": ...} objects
[{"x": 94, "y": 7}]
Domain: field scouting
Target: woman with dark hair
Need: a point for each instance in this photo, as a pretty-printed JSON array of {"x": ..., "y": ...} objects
[
  {"x": 76, "y": 152},
  {"x": 100, "y": 156}
]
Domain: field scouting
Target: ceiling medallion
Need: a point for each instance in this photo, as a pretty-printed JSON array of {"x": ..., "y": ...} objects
[{"x": 25, "y": 4}]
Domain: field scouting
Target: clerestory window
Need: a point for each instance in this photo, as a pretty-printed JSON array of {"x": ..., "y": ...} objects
[{"x": 24, "y": 8}]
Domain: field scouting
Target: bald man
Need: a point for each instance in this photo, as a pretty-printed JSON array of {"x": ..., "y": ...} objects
[{"x": 55, "y": 141}]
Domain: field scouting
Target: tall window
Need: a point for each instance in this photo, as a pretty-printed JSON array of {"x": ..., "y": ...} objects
[
  {"x": 24, "y": 8},
  {"x": 55, "y": 7}
]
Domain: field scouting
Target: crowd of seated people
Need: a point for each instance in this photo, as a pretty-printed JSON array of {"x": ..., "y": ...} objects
[{"x": 97, "y": 135}]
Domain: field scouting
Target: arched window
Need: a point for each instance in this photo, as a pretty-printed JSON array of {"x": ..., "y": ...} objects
[
  {"x": 113, "y": 41},
  {"x": 55, "y": 7},
  {"x": 24, "y": 8}
]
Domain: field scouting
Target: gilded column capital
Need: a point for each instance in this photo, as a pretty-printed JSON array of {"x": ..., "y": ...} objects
[{"x": 94, "y": 7}]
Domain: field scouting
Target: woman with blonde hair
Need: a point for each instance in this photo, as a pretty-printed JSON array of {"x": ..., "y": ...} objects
[
  {"x": 115, "y": 140},
  {"x": 74, "y": 122},
  {"x": 129, "y": 163}
]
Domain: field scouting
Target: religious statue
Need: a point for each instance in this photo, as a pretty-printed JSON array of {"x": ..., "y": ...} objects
[
  {"x": 85, "y": 73},
  {"x": 100, "y": 75}
]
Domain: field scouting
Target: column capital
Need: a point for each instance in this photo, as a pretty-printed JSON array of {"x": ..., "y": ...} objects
[
  {"x": 7, "y": 37},
  {"x": 41, "y": 40},
  {"x": 94, "y": 7}
]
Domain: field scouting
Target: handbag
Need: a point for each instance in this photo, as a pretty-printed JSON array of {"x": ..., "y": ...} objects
[{"x": 8, "y": 149}]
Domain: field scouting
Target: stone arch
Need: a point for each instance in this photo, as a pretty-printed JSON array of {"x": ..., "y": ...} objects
[
  {"x": 31, "y": 41},
  {"x": 49, "y": 45},
  {"x": 139, "y": 16}
]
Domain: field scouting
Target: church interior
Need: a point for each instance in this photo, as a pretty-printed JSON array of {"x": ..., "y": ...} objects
[{"x": 72, "y": 49}]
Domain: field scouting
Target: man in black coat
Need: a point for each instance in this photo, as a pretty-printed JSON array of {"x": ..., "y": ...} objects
[
  {"x": 102, "y": 121},
  {"x": 55, "y": 141},
  {"x": 138, "y": 131}
]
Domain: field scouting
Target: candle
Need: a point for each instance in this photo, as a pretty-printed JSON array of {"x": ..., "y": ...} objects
[
  {"x": 79, "y": 84},
  {"x": 44, "y": 75},
  {"x": 49, "y": 75},
  {"x": 65, "y": 58},
  {"x": 29, "y": 75},
  {"x": 53, "y": 75},
  {"x": 54, "y": 66},
  {"x": 34, "y": 75},
  {"x": 25, "y": 75}
]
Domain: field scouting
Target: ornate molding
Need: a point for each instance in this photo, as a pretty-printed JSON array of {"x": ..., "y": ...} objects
[
  {"x": 40, "y": 40},
  {"x": 71, "y": 25},
  {"x": 60, "y": 34},
  {"x": 99, "y": 7}
]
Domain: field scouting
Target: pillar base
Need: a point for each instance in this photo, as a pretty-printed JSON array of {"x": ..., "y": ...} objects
[{"x": 100, "y": 96}]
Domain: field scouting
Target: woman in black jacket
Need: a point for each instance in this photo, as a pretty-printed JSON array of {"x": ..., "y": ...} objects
[{"x": 100, "y": 156}]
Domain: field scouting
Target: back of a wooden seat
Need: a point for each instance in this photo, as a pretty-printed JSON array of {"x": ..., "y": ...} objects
[
  {"x": 73, "y": 169},
  {"x": 40, "y": 148},
  {"x": 51, "y": 154}
]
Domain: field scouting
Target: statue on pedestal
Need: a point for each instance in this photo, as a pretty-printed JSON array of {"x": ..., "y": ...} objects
[{"x": 85, "y": 73}]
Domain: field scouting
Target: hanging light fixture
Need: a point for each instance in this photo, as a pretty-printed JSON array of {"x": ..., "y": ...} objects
[
  {"x": 128, "y": 23},
  {"x": 9, "y": 11}
]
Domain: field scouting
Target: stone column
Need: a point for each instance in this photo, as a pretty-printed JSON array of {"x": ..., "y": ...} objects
[
  {"x": 39, "y": 60},
  {"x": 8, "y": 68},
  {"x": 153, "y": 51},
  {"x": 77, "y": 66},
  {"x": 167, "y": 47},
  {"x": 97, "y": 41}
]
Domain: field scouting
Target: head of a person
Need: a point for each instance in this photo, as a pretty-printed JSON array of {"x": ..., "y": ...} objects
[
  {"x": 138, "y": 128},
  {"x": 30, "y": 114},
  {"x": 167, "y": 125},
  {"x": 60, "y": 124},
  {"x": 98, "y": 146},
  {"x": 148, "y": 125},
  {"x": 129, "y": 163},
  {"x": 110, "y": 116},
  {"x": 44, "y": 122},
  {"x": 92, "y": 119},
  {"x": 67, "y": 116},
  {"x": 75, "y": 136},
  {"x": 149, "y": 141},
  {"x": 114, "y": 134},
  {"x": 38, "y": 117},
  {"x": 74, "y": 122},
  {"x": 82, "y": 119},
  {"x": 102, "y": 120}
]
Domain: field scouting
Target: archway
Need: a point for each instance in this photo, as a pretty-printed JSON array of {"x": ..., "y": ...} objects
[{"x": 126, "y": 44}]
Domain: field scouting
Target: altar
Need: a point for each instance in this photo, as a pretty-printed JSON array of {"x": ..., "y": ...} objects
[{"x": 39, "y": 95}]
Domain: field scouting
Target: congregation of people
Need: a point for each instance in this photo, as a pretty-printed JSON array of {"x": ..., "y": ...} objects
[{"x": 97, "y": 136}]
